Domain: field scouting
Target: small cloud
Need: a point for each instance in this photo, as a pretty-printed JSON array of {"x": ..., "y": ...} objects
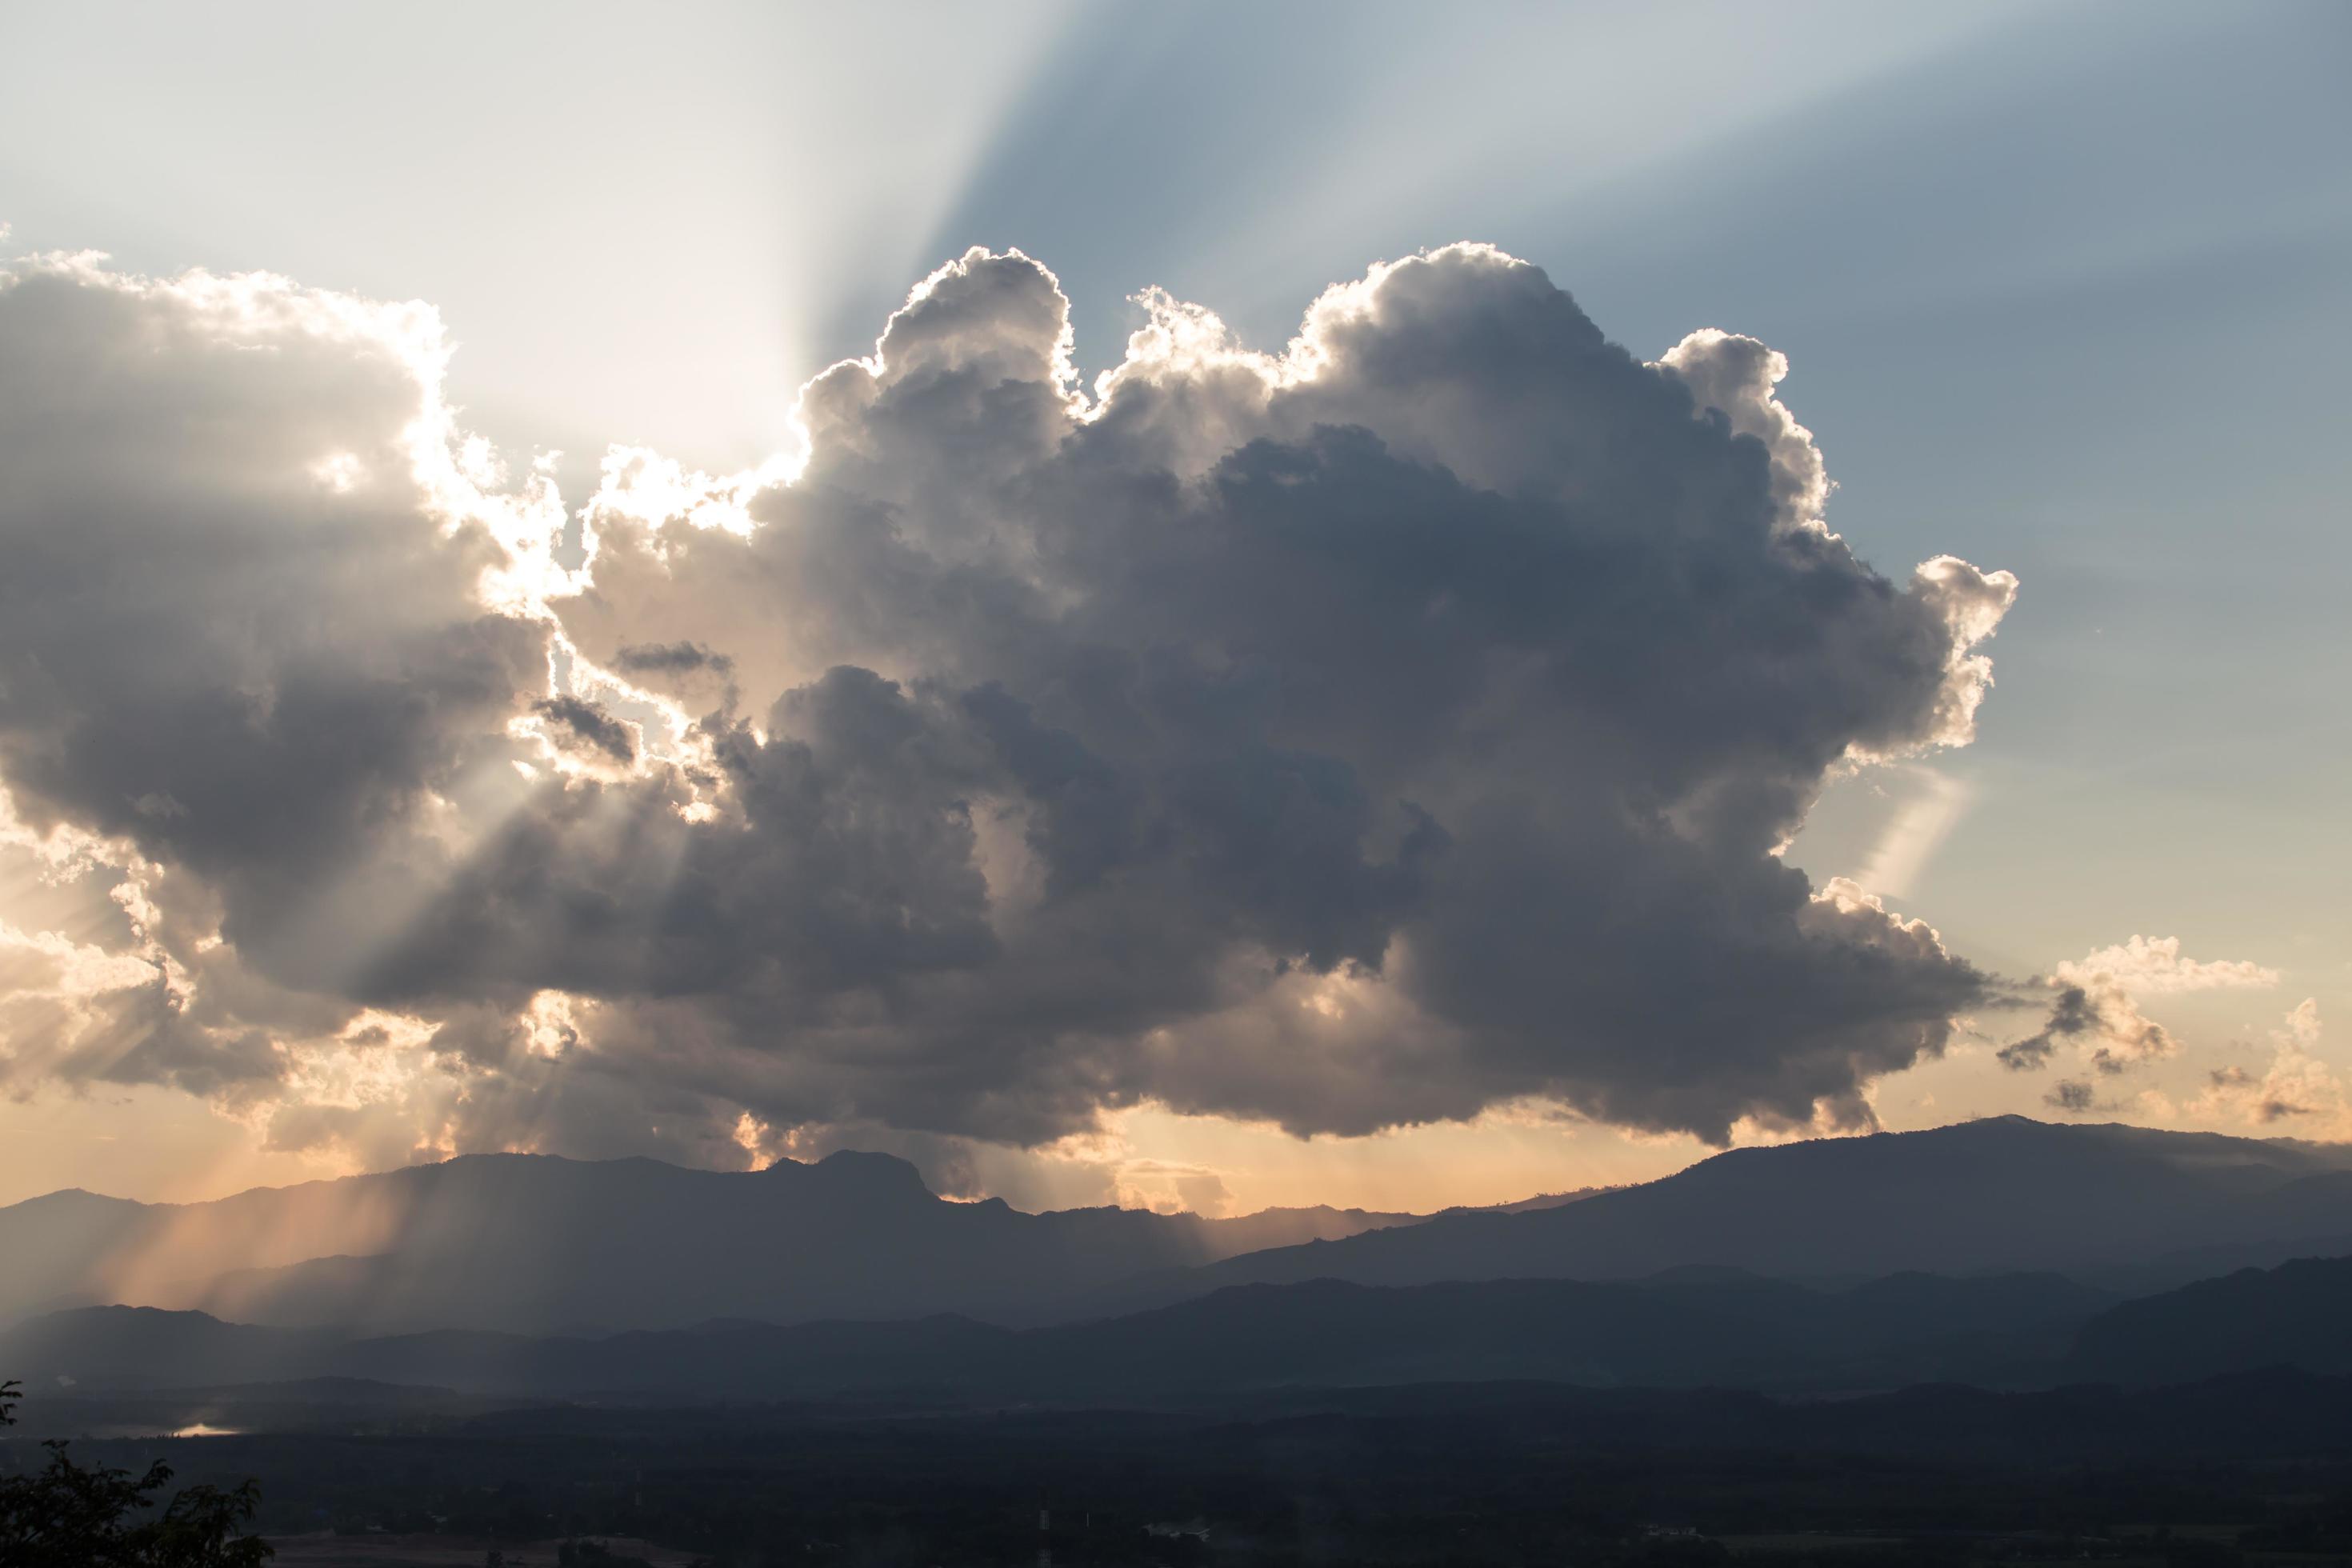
[
  {"x": 2298, "y": 1086},
  {"x": 670, "y": 658},
  {"x": 2071, "y": 1095},
  {"x": 2071, "y": 1015},
  {"x": 591, "y": 726},
  {"x": 2097, "y": 1003}
]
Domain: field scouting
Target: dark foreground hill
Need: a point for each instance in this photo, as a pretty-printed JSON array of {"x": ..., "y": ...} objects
[
  {"x": 1510, "y": 1473},
  {"x": 2006, "y": 1194},
  {"x": 1324, "y": 1422}
]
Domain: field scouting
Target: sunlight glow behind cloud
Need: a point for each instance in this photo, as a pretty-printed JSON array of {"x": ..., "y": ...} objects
[
  {"x": 649, "y": 246},
  {"x": 554, "y": 842}
]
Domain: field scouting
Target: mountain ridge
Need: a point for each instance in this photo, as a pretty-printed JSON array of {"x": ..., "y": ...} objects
[
  {"x": 530, "y": 1244},
  {"x": 519, "y": 1241},
  {"x": 2002, "y": 1194}
]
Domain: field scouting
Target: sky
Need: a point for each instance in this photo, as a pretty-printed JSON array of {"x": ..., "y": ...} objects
[{"x": 1381, "y": 743}]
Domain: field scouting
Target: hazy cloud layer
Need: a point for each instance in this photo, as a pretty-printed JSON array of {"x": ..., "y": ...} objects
[{"x": 1357, "y": 736}]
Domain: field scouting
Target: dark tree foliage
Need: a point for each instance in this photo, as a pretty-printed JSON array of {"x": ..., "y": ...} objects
[{"x": 66, "y": 1516}]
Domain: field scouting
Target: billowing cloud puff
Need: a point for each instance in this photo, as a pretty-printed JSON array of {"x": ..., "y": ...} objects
[
  {"x": 2097, "y": 1003},
  {"x": 1358, "y": 736},
  {"x": 2100, "y": 1016},
  {"x": 2145, "y": 966}
]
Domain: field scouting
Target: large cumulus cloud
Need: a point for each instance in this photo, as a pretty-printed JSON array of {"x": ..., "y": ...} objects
[
  {"x": 1358, "y": 736},
  {"x": 257, "y": 635}
]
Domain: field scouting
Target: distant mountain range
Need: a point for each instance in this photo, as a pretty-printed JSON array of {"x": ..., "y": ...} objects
[
  {"x": 533, "y": 1244},
  {"x": 538, "y": 1245},
  {"x": 1683, "y": 1330}
]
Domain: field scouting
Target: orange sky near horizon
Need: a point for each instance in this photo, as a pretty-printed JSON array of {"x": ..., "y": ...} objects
[{"x": 158, "y": 1145}]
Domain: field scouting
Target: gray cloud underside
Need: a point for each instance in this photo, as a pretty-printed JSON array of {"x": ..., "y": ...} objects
[{"x": 1361, "y": 740}]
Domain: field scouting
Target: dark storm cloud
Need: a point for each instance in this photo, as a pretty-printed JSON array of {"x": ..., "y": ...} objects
[
  {"x": 2072, "y": 1096},
  {"x": 590, "y": 726},
  {"x": 2095, "y": 1006},
  {"x": 1478, "y": 674},
  {"x": 669, "y": 658},
  {"x": 2070, "y": 1017},
  {"x": 1354, "y": 740}
]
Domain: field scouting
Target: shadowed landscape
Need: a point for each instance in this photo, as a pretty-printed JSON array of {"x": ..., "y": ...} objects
[{"x": 2090, "y": 1373}]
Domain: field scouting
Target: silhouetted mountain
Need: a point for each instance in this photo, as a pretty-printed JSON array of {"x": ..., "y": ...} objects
[
  {"x": 2298, "y": 1314},
  {"x": 2185, "y": 1265},
  {"x": 527, "y": 1243},
  {"x": 1523, "y": 1206},
  {"x": 1728, "y": 1330},
  {"x": 2002, "y": 1195},
  {"x": 146, "y": 1347}
]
